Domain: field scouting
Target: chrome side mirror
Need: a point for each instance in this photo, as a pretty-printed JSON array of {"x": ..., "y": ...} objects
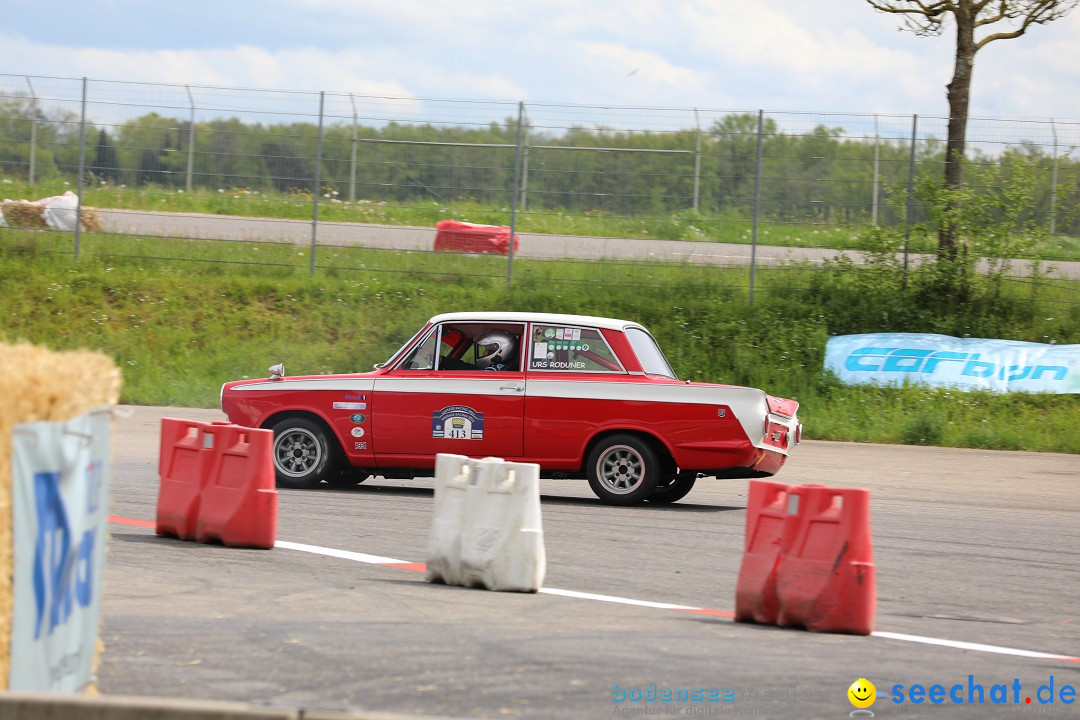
[{"x": 277, "y": 371}]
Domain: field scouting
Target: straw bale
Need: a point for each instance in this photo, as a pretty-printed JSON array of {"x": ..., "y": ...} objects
[
  {"x": 27, "y": 214},
  {"x": 41, "y": 385},
  {"x": 24, "y": 214},
  {"x": 91, "y": 220}
]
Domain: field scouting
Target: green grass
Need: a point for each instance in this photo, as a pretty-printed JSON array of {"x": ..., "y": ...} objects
[
  {"x": 181, "y": 327},
  {"x": 687, "y": 225}
]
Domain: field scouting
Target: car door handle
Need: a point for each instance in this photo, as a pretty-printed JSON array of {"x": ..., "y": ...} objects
[{"x": 515, "y": 388}]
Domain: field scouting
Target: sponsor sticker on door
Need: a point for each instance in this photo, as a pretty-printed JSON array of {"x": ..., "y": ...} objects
[{"x": 457, "y": 422}]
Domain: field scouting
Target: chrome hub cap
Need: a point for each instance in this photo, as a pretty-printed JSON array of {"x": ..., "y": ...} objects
[
  {"x": 621, "y": 469},
  {"x": 297, "y": 452}
]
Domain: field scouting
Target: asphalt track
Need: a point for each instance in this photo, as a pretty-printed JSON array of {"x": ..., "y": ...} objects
[
  {"x": 415, "y": 239},
  {"x": 978, "y": 572}
]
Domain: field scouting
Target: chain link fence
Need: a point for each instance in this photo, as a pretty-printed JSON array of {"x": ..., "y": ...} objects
[{"x": 346, "y": 181}]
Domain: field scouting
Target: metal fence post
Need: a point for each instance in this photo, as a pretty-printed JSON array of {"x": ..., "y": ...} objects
[
  {"x": 525, "y": 177},
  {"x": 191, "y": 141},
  {"x": 757, "y": 203},
  {"x": 910, "y": 190},
  {"x": 697, "y": 162},
  {"x": 1053, "y": 180},
  {"x": 514, "y": 192},
  {"x": 82, "y": 170},
  {"x": 33, "y": 130},
  {"x": 877, "y": 161},
  {"x": 316, "y": 182},
  {"x": 352, "y": 162}
]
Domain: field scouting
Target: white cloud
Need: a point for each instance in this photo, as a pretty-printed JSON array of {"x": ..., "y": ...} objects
[
  {"x": 829, "y": 55},
  {"x": 242, "y": 66}
]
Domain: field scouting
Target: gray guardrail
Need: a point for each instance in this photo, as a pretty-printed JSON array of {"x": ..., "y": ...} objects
[{"x": 42, "y": 706}]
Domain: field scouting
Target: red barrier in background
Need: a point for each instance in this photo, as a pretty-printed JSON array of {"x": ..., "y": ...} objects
[
  {"x": 825, "y": 578},
  {"x": 239, "y": 505},
  {"x": 463, "y": 237},
  {"x": 808, "y": 559},
  {"x": 184, "y": 458},
  {"x": 755, "y": 592}
]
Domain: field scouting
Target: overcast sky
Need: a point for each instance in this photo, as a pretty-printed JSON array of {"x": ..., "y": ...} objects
[{"x": 780, "y": 55}]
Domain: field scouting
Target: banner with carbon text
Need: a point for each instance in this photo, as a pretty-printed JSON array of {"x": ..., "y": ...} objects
[
  {"x": 952, "y": 362},
  {"x": 60, "y": 479}
]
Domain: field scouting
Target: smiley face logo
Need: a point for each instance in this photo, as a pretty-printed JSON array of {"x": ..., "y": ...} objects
[{"x": 862, "y": 693}]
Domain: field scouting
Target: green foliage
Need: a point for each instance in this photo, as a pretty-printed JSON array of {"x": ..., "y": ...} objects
[
  {"x": 203, "y": 312},
  {"x": 994, "y": 220},
  {"x": 179, "y": 329},
  {"x": 820, "y": 179},
  {"x": 976, "y": 293},
  {"x": 923, "y": 428}
]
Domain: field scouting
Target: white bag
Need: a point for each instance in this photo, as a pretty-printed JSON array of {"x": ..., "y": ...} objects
[{"x": 60, "y": 211}]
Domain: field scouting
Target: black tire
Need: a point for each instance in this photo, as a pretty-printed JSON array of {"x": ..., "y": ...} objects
[
  {"x": 674, "y": 488},
  {"x": 347, "y": 477},
  {"x": 304, "y": 453},
  {"x": 622, "y": 469}
]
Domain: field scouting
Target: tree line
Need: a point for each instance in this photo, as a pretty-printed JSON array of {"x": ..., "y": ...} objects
[{"x": 825, "y": 175}]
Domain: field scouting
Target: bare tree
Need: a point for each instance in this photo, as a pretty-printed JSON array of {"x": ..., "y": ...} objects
[{"x": 929, "y": 18}]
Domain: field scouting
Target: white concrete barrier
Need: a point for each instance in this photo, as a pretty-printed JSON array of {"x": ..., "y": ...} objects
[{"x": 487, "y": 530}]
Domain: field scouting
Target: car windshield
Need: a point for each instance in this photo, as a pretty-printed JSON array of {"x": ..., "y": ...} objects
[
  {"x": 648, "y": 353},
  {"x": 402, "y": 348}
]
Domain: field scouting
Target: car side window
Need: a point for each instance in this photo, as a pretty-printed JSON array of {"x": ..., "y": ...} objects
[
  {"x": 468, "y": 347},
  {"x": 454, "y": 350},
  {"x": 571, "y": 349},
  {"x": 498, "y": 348},
  {"x": 648, "y": 352},
  {"x": 423, "y": 357}
]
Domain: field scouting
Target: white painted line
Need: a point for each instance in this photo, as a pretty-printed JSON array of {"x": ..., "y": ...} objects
[
  {"x": 379, "y": 560},
  {"x": 960, "y": 645},
  {"x": 973, "y": 646},
  {"x": 343, "y": 554},
  {"x": 615, "y": 599}
]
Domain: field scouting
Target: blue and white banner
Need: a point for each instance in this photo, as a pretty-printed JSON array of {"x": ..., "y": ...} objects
[
  {"x": 962, "y": 363},
  {"x": 60, "y": 492}
]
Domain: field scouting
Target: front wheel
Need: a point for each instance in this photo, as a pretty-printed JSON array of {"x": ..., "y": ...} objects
[
  {"x": 623, "y": 470},
  {"x": 674, "y": 488},
  {"x": 303, "y": 453}
]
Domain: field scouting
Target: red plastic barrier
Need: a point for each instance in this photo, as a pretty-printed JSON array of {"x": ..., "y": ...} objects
[
  {"x": 825, "y": 577},
  {"x": 184, "y": 458},
  {"x": 239, "y": 504},
  {"x": 463, "y": 237},
  {"x": 755, "y": 592}
]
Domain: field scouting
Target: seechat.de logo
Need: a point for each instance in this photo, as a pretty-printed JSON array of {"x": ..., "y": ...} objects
[{"x": 862, "y": 695}]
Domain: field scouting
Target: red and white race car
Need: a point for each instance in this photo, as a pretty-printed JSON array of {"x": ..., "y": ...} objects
[{"x": 581, "y": 396}]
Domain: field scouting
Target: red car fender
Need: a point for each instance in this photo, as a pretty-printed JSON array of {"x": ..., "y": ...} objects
[
  {"x": 615, "y": 428},
  {"x": 268, "y": 420}
]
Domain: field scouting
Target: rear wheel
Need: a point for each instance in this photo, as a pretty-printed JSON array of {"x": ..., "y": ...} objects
[
  {"x": 674, "y": 488},
  {"x": 623, "y": 469},
  {"x": 303, "y": 453}
]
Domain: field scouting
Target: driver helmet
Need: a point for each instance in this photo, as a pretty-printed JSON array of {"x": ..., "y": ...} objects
[{"x": 494, "y": 349}]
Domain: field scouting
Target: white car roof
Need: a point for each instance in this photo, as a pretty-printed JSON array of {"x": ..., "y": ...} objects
[{"x": 547, "y": 318}]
